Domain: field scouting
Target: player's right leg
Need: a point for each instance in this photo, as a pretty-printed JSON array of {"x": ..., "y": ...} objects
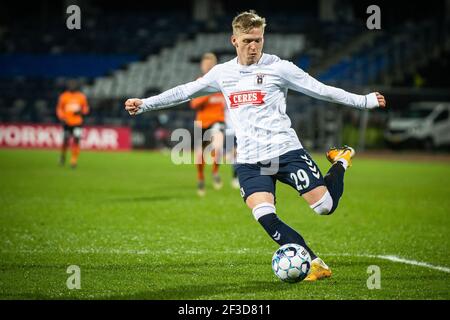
[
  {"x": 258, "y": 193},
  {"x": 230, "y": 150},
  {"x": 217, "y": 143},
  {"x": 200, "y": 164},
  {"x": 65, "y": 144},
  {"x": 76, "y": 132},
  {"x": 264, "y": 211}
]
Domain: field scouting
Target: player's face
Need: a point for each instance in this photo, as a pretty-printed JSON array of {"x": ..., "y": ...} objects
[
  {"x": 72, "y": 85},
  {"x": 207, "y": 65},
  {"x": 249, "y": 46}
]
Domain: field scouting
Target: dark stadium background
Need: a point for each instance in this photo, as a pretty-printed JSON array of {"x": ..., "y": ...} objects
[
  {"x": 407, "y": 60},
  {"x": 132, "y": 221}
]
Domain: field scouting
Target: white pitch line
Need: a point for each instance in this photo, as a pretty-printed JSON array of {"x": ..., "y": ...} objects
[
  {"x": 395, "y": 259},
  {"x": 391, "y": 258},
  {"x": 414, "y": 263}
]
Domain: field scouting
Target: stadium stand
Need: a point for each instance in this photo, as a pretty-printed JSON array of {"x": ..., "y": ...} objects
[
  {"x": 179, "y": 64},
  {"x": 120, "y": 54},
  {"x": 396, "y": 53}
]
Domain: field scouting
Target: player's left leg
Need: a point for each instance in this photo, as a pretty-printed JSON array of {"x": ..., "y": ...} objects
[
  {"x": 75, "y": 147},
  {"x": 334, "y": 179},
  {"x": 200, "y": 164},
  {"x": 217, "y": 144},
  {"x": 230, "y": 151},
  {"x": 199, "y": 146},
  {"x": 67, "y": 132},
  {"x": 235, "y": 180},
  {"x": 322, "y": 194},
  {"x": 325, "y": 200}
]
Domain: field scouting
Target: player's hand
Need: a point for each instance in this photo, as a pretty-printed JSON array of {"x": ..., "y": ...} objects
[
  {"x": 133, "y": 106},
  {"x": 381, "y": 100}
]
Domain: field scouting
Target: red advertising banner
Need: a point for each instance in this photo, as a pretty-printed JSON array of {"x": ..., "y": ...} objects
[{"x": 19, "y": 135}]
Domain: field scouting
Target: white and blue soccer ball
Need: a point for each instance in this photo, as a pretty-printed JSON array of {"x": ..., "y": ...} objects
[{"x": 291, "y": 263}]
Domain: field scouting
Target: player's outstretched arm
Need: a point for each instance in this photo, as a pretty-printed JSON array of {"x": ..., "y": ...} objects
[
  {"x": 298, "y": 80},
  {"x": 172, "y": 97},
  {"x": 133, "y": 106},
  {"x": 381, "y": 100}
]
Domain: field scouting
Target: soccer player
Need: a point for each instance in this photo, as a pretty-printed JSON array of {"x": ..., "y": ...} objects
[
  {"x": 255, "y": 86},
  {"x": 72, "y": 106},
  {"x": 211, "y": 120}
]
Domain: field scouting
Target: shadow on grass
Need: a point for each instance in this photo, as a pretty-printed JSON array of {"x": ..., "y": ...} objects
[
  {"x": 148, "y": 198},
  {"x": 208, "y": 291}
]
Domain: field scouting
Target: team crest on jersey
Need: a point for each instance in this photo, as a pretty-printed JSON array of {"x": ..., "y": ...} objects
[{"x": 259, "y": 78}]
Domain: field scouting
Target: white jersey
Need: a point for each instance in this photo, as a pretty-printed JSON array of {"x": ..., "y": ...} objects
[
  {"x": 256, "y": 101},
  {"x": 228, "y": 123}
]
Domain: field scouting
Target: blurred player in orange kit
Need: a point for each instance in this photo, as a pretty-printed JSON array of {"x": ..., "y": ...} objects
[
  {"x": 211, "y": 119},
  {"x": 72, "y": 106}
]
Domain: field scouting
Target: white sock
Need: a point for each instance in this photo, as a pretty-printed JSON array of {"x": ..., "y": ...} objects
[
  {"x": 321, "y": 262},
  {"x": 344, "y": 163}
]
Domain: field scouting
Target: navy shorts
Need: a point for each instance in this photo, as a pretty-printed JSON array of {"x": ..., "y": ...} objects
[
  {"x": 69, "y": 131},
  {"x": 295, "y": 168}
]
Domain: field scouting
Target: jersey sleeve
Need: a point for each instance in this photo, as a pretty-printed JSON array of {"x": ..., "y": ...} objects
[
  {"x": 60, "y": 108},
  {"x": 297, "y": 79},
  {"x": 203, "y": 86}
]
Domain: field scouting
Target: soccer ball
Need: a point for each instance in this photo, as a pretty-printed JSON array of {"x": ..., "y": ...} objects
[{"x": 291, "y": 263}]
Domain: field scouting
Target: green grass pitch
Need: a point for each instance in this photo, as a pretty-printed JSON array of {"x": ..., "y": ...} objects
[{"x": 134, "y": 225}]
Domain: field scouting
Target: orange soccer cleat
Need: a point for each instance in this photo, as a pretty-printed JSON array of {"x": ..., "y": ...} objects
[
  {"x": 346, "y": 153},
  {"x": 319, "y": 270}
]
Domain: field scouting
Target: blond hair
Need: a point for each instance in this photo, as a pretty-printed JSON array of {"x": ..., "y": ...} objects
[
  {"x": 210, "y": 56},
  {"x": 245, "y": 21}
]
